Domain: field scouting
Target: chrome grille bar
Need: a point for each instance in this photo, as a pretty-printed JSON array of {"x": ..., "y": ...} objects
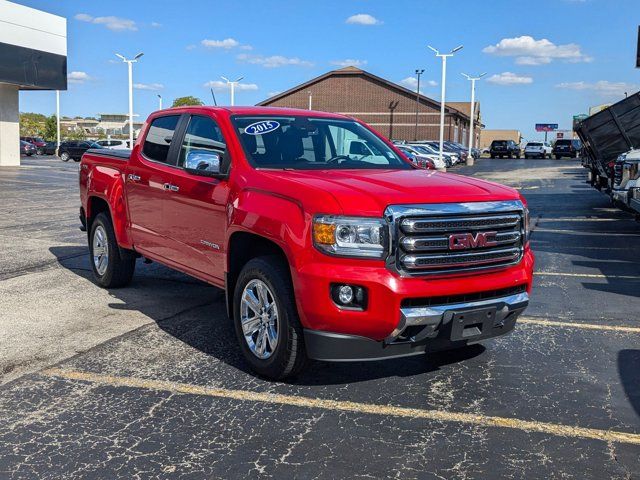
[
  {"x": 460, "y": 260},
  {"x": 422, "y": 244},
  {"x": 458, "y": 224}
]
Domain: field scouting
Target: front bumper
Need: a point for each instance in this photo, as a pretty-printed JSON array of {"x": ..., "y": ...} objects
[{"x": 423, "y": 329}]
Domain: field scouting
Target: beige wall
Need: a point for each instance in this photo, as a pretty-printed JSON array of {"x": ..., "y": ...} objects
[{"x": 487, "y": 136}]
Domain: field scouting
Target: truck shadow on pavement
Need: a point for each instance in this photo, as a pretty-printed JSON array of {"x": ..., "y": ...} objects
[
  {"x": 194, "y": 313},
  {"x": 628, "y": 368}
]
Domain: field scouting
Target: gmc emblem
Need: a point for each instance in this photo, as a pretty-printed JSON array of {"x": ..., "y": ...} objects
[{"x": 466, "y": 241}]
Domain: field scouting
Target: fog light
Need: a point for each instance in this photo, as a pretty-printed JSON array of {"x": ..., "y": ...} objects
[
  {"x": 351, "y": 297},
  {"x": 345, "y": 294}
]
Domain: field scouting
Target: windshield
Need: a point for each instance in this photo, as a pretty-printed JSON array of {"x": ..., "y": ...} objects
[
  {"x": 422, "y": 149},
  {"x": 302, "y": 143}
]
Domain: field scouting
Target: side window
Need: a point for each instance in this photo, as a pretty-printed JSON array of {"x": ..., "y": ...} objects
[
  {"x": 203, "y": 133},
  {"x": 158, "y": 140},
  {"x": 84, "y": 145}
]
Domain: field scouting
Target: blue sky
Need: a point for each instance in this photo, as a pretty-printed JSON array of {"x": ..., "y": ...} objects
[{"x": 545, "y": 60}]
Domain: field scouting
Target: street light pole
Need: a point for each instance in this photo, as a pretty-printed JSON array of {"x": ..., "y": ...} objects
[
  {"x": 470, "y": 159},
  {"x": 159, "y": 102},
  {"x": 130, "y": 68},
  {"x": 232, "y": 86},
  {"x": 310, "y": 100},
  {"x": 418, "y": 73},
  {"x": 444, "y": 57}
]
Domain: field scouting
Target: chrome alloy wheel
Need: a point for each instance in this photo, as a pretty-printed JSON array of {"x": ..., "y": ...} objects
[
  {"x": 100, "y": 250},
  {"x": 259, "y": 319}
]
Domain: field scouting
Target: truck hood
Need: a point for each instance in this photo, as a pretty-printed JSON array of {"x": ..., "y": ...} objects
[{"x": 369, "y": 192}]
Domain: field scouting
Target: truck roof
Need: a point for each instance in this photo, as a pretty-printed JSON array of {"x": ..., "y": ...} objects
[{"x": 251, "y": 110}]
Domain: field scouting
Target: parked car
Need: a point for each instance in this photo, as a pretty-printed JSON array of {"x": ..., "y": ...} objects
[
  {"x": 455, "y": 157},
  {"x": 566, "y": 147},
  {"x": 74, "y": 149},
  {"x": 537, "y": 150},
  {"x": 323, "y": 254},
  {"x": 461, "y": 150},
  {"x": 27, "y": 148},
  {"x": 114, "y": 144},
  {"x": 49, "y": 148},
  {"x": 626, "y": 181},
  {"x": 427, "y": 147},
  {"x": 416, "y": 158},
  {"x": 37, "y": 142},
  {"x": 425, "y": 153},
  {"x": 504, "y": 148}
]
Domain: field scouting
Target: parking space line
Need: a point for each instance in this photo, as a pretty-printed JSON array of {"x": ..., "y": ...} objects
[
  {"x": 555, "y": 429},
  {"x": 587, "y": 275},
  {"x": 580, "y": 219},
  {"x": 585, "y": 326}
]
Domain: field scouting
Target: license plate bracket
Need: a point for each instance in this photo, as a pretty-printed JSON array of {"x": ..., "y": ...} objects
[{"x": 472, "y": 324}]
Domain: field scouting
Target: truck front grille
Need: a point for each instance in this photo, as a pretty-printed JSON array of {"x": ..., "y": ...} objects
[{"x": 448, "y": 238}]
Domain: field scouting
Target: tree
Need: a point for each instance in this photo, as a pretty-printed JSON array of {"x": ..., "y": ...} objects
[
  {"x": 50, "y": 128},
  {"x": 185, "y": 101},
  {"x": 31, "y": 124}
]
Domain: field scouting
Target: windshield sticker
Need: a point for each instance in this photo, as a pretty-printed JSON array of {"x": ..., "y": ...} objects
[{"x": 261, "y": 127}]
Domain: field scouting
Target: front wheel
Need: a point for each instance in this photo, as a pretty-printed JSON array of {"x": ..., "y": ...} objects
[
  {"x": 64, "y": 156},
  {"x": 266, "y": 319},
  {"x": 112, "y": 266},
  {"x": 558, "y": 157}
]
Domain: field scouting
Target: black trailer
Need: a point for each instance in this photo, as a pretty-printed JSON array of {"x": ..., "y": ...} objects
[{"x": 607, "y": 134}]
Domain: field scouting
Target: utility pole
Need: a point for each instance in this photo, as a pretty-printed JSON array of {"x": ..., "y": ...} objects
[
  {"x": 159, "y": 102},
  {"x": 470, "y": 159},
  {"x": 310, "y": 100},
  {"x": 392, "y": 106},
  {"x": 418, "y": 73},
  {"x": 130, "y": 65},
  {"x": 57, "y": 120},
  {"x": 444, "y": 57}
]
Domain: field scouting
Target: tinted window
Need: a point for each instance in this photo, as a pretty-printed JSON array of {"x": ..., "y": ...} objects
[
  {"x": 158, "y": 139},
  {"x": 532, "y": 144},
  {"x": 500, "y": 143},
  {"x": 202, "y": 133},
  {"x": 84, "y": 145},
  {"x": 563, "y": 142}
]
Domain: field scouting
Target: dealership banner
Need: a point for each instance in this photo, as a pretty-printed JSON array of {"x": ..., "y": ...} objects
[{"x": 546, "y": 127}]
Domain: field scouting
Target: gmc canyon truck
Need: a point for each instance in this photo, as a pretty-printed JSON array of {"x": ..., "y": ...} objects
[{"x": 323, "y": 253}]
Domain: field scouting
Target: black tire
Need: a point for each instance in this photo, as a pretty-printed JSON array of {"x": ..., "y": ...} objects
[
  {"x": 558, "y": 157},
  {"x": 493, "y": 156},
  {"x": 121, "y": 263},
  {"x": 76, "y": 160},
  {"x": 64, "y": 156},
  {"x": 289, "y": 356},
  {"x": 39, "y": 152}
]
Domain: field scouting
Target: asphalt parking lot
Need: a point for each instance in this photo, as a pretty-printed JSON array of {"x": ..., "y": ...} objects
[{"x": 148, "y": 382}]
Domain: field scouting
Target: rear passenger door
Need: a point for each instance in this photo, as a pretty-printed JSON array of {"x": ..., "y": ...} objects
[{"x": 147, "y": 178}]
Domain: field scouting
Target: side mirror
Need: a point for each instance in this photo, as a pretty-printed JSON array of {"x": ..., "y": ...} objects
[{"x": 203, "y": 162}]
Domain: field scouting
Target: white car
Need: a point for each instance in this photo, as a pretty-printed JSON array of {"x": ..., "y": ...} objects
[
  {"x": 537, "y": 150},
  {"x": 422, "y": 151},
  {"x": 114, "y": 144}
]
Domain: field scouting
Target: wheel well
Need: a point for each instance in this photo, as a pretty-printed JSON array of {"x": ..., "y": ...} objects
[
  {"x": 243, "y": 247},
  {"x": 95, "y": 206}
]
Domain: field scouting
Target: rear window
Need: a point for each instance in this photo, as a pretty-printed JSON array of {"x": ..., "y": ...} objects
[
  {"x": 158, "y": 140},
  {"x": 500, "y": 143},
  {"x": 563, "y": 142},
  {"x": 534, "y": 144}
]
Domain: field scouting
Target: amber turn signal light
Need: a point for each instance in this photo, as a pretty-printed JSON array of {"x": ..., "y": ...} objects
[{"x": 324, "y": 233}]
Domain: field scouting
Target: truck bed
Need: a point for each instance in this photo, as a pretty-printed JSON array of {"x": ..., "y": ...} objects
[{"x": 106, "y": 152}]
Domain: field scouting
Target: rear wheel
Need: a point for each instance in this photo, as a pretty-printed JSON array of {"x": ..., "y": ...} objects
[
  {"x": 64, "y": 156},
  {"x": 266, "y": 319},
  {"x": 112, "y": 266},
  {"x": 558, "y": 157},
  {"x": 493, "y": 156}
]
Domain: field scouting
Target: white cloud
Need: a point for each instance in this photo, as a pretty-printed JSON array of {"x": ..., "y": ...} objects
[
  {"x": 78, "y": 77},
  {"x": 115, "y": 24},
  {"x": 227, "y": 43},
  {"x": 412, "y": 83},
  {"x": 529, "y": 51},
  {"x": 219, "y": 86},
  {"x": 363, "y": 19},
  {"x": 349, "y": 62},
  {"x": 510, "y": 78},
  {"x": 148, "y": 86},
  {"x": 274, "y": 93},
  {"x": 273, "y": 61},
  {"x": 156, "y": 24},
  {"x": 191, "y": 47},
  {"x": 603, "y": 88}
]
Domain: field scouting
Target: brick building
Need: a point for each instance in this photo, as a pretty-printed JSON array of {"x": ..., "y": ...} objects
[{"x": 386, "y": 106}]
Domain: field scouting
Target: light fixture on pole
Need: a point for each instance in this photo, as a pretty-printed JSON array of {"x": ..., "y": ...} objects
[
  {"x": 310, "y": 100},
  {"x": 159, "y": 102},
  {"x": 444, "y": 57},
  {"x": 130, "y": 65},
  {"x": 418, "y": 73},
  {"x": 470, "y": 159},
  {"x": 232, "y": 86}
]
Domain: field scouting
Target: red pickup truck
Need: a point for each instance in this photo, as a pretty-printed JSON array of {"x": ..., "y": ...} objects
[{"x": 329, "y": 242}]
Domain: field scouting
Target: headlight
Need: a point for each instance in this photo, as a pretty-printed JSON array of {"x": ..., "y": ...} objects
[{"x": 350, "y": 236}]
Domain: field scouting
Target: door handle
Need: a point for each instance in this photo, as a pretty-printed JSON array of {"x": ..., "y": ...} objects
[
  {"x": 173, "y": 188},
  {"x": 133, "y": 178}
]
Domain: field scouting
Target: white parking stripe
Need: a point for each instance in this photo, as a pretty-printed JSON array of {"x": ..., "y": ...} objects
[{"x": 588, "y": 275}]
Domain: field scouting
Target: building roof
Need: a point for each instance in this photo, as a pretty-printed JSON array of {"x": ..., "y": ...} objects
[{"x": 351, "y": 70}]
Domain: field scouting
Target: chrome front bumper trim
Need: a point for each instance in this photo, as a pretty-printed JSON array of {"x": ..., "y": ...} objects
[{"x": 433, "y": 316}]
